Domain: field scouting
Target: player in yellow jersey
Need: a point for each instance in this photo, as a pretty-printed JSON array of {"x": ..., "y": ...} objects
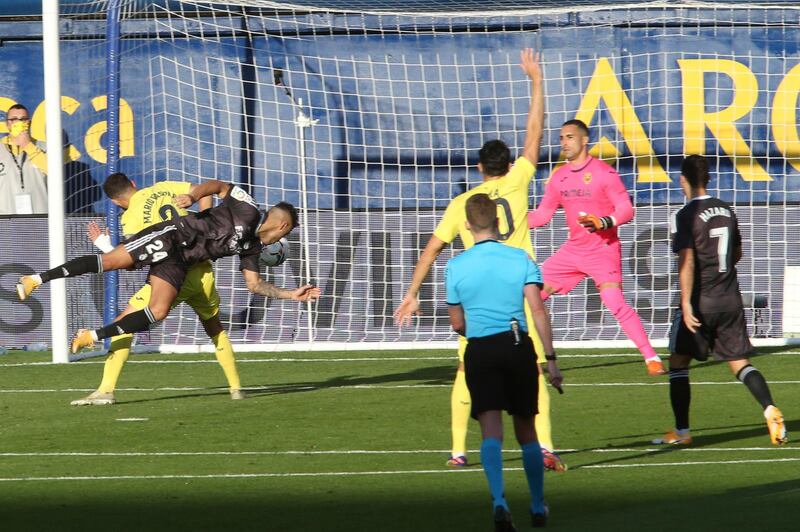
[
  {"x": 508, "y": 186},
  {"x": 144, "y": 208}
]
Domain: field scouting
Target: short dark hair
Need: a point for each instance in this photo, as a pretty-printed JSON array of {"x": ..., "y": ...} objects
[
  {"x": 18, "y": 106},
  {"x": 117, "y": 185},
  {"x": 495, "y": 158},
  {"x": 481, "y": 212},
  {"x": 289, "y": 209},
  {"x": 695, "y": 169},
  {"x": 580, "y": 124}
]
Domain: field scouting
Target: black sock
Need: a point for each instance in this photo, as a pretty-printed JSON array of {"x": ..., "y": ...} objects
[
  {"x": 74, "y": 267},
  {"x": 680, "y": 394},
  {"x": 133, "y": 322},
  {"x": 754, "y": 380}
]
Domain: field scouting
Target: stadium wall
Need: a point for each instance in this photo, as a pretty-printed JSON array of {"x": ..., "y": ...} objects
[{"x": 355, "y": 162}]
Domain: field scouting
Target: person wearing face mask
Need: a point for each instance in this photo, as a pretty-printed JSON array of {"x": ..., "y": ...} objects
[{"x": 23, "y": 166}]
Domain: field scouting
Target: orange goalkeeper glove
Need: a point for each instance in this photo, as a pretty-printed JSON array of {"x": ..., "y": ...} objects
[{"x": 595, "y": 223}]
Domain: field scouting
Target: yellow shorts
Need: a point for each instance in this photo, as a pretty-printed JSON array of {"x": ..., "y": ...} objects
[
  {"x": 537, "y": 342},
  {"x": 198, "y": 291}
]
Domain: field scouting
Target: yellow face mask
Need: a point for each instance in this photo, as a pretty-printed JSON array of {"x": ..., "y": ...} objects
[{"x": 19, "y": 127}]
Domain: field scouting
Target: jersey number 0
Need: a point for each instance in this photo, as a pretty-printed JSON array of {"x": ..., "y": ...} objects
[{"x": 503, "y": 203}]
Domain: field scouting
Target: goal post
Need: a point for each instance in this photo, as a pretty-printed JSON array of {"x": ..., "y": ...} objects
[{"x": 399, "y": 97}]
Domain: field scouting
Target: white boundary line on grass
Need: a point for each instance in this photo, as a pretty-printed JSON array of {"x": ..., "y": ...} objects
[
  {"x": 372, "y": 473},
  {"x": 349, "y": 359},
  {"x": 358, "y": 386},
  {"x": 136, "y": 454}
]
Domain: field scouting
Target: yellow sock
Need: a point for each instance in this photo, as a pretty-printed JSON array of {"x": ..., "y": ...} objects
[
  {"x": 225, "y": 358},
  {"x": 460, "y": 408},
  {"x": 118, "y": 353},
  {"x": 543, "y": 430}
]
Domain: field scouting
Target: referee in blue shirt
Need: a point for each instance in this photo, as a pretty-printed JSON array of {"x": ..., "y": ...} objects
[{"x": 486, "y": 288}]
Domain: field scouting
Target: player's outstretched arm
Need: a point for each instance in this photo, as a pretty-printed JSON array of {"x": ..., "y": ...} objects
[
  {"x": 529, "y": 63},
  {"x": 410, "y": 304},
  {"x": 541, "y": 319},
  {"x": 257, "y": 285},
  {"x": 204, "y": 189},
  {"x": 686, "y": 279}
]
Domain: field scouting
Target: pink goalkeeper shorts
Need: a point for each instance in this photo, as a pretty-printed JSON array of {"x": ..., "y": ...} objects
[{"x": 571, "y": 264}]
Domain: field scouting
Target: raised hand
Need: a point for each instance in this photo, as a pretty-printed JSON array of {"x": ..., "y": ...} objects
[{"x": 529, "y": 63}]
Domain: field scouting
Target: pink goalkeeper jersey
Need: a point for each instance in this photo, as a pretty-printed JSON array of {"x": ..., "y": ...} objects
[{"x": 592, "y": 188}]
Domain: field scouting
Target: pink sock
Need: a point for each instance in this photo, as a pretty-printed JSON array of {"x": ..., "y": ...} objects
[{"x": 628, "y": 319}]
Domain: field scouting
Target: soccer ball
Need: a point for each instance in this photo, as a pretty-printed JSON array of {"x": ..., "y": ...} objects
[{"x": 274, "y": 254}]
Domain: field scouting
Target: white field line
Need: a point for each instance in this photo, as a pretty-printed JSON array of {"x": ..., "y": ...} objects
[
  {"x": 355, "y": 386},
  {"x": 211, "y": 360},
  {"x": 678, "y": 464},
  {"x": 350, "y": 452},
  {"x": 371, "y": 473}
]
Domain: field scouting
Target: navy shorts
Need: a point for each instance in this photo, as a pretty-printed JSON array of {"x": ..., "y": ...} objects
[
  {"x": 157, "y": 247},
  {"x": 724, "y": 334},
  {"x": 501, "y": 375}
]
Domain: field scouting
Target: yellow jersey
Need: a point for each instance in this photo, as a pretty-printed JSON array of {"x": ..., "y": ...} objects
[
  {"x": 152, "y": 205},
  {"x": 510, "y": 193}
]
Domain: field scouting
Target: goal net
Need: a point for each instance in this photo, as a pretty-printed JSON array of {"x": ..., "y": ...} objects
[{"x": 369, "y": 116}]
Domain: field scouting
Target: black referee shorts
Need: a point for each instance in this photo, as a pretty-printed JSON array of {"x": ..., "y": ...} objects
[
  {"x": 502, "y": 376},
  {"x": 724, "y": 334}
]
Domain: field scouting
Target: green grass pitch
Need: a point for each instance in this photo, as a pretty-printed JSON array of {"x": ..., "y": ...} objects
[{"x": 358, "y": 441}]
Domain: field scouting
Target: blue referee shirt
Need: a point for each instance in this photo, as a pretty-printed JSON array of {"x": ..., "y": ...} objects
[{"x": 487, "y": 280}]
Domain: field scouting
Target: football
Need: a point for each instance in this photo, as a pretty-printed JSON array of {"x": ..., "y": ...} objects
[{"x": 274, "y": 254}]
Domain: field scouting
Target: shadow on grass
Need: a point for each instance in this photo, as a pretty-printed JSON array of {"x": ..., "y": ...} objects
[
  {"x": 699, "y": 440},
  {"x": 428, "y": 376}
]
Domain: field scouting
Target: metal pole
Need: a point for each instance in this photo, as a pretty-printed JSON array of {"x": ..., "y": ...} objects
[
  {"x": 303, "y": 122},
  {"x": 55, "y": 178},
  {"x": 111, "y": 279}
]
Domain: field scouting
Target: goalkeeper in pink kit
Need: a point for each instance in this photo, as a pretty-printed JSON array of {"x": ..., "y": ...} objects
[{"x": 595, "y": 203}]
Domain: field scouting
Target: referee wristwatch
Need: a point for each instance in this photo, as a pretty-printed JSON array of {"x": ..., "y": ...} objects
[{"x": 551, "y": 356}]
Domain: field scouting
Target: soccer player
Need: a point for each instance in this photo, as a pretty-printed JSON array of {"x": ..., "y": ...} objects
[
  {"x": 143, "y": 208},
  {"x": 508, "y": 186},
  {"x": 711, "y": 318},
  {"x": 486, "y": 289},
  {"x": 595, "y": 203},
  {"x": 236, "y": 226}
]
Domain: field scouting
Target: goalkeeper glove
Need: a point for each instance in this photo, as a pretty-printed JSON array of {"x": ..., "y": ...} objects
[{"x": 595, "y": 223}]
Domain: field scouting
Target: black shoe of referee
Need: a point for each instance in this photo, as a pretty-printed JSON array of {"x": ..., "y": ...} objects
[
  {"x": 540, "y": 520},
  {"x": 502, "y": 520}
]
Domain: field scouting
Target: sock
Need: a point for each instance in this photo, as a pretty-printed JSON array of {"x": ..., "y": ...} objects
[
  {"x": 118, "y": 353},
  {"x": 543, "y": 430},
  {"x": 492, "y": 460},
  {"x": 225, "y": 358},
  {"x": 755, "y": 382},
  {"x": 680, "y": 395},
  {"x": 533, "y": 463},
  {"x": 629, "y": 321},
  {"x": 74, "y": 267},
  {"x": 133, "y": 322},
  {"x": 460, "y": 409}
]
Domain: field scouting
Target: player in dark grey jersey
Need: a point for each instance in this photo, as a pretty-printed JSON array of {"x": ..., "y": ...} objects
[
  {"x": 711, "y": 318},
  {"x": 235, "y": 227}
]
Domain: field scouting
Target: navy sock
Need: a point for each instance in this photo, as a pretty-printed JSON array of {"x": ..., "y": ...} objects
[
  {"x": 680, "y": 395},
  {"x": 533, "y": 463},
  {"x": 74, "y": 267},
  {"x": 755, "y": 382},
  {"x": 492, "y": 460},
  {"x": 133, "y": 322}
]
